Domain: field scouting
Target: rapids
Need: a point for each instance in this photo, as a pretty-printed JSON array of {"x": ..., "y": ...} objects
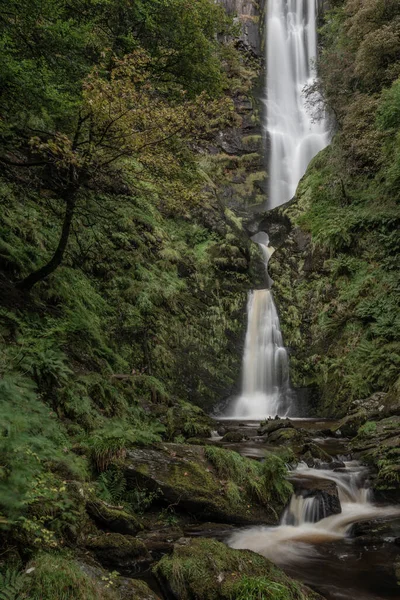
[{"x": 294, "y": 543}]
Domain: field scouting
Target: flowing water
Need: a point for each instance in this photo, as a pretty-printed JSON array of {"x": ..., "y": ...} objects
[
  {"x": 294, "y": 138},
  {"x": 311, "y": 546},
  {"x": 265, "y": 384}
]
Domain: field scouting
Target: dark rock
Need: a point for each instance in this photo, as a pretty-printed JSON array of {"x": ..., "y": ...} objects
[
  {"x": 234, "y": 437},
  {"x": 323, "y": 490},
  {"x": 113, "y": 518},
  {"x": 273, "y": 425},
  {"x": 127, "y": 588},
  {"x": 121, "y": 552},
  {"x": 312, "y": 453}
]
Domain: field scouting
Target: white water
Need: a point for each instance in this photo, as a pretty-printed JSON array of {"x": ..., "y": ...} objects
[
  {"x": 265, "y": 385},
  {"x": 295, "y": 542},
  {"x": 293, "y": 137}
]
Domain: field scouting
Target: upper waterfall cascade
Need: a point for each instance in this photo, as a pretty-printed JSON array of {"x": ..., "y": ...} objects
[{"x": 293, "y": 137}]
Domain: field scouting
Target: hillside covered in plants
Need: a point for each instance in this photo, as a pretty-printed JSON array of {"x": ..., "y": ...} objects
[
  {"x": 132, "y": 175},
  {"x": 336, "y": 272}
]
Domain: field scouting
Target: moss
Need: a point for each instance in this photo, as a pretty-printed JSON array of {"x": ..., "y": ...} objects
[
  {"x": 116, "y": 520},
  {"x": 117, "y": 542},
  {"x": 58, "y": 577},
  {"x": 208, "y": 570},
  {"x": 264, "y": 482}
]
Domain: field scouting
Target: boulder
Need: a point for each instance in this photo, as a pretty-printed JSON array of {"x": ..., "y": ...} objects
[
  {"x": 113, "y": 518},
  {"x": 126, "y": 588},
  {"x": 313, "y": 455},
  {"x": 182, "y": 476},
  {"x": 204, "y": 569},
  {"x": 234, "y": 437},
  {"x": 117, "y": 551},
  {"x": 273, "y": 425},
  {"x": 288, "y": 436},
  {"x": 135, "y": 589},
  {"x": 323, "y": 490}
]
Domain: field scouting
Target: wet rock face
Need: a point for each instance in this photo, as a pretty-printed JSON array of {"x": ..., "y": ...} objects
[
  {"x": 248, "y": 14},
  {"x": 324, "y": 491},
  {"x": 124, "y": 552}
]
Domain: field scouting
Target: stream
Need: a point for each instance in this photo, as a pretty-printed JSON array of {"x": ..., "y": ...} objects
[{"x": 349, "y": 555}]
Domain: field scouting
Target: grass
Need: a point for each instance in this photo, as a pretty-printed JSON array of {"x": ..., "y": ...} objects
[{"x": 263, "y": 481}]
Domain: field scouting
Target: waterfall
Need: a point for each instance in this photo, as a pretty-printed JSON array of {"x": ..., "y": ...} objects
[
  {"x": 302, "y": 523},
  {"x": 294, "y": 138},
  {"x": 265, "y": 384}
]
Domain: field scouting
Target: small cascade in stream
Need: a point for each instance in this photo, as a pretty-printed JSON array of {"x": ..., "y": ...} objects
[
  {"x": 265, "y": 386},
  {"x": 302, "y": 526},
  {"x": 293, "y": 137}
]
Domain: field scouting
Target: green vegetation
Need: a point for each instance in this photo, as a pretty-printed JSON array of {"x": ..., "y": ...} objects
[
  {"x": 265, "y": 481},
  {"x": 347, "y": 306},
  {"x": 208, "y": 570},
  {"x": 137, "y": 272}
]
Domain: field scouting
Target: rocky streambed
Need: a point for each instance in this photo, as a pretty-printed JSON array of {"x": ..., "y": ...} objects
[{"x": 197, "y": 499}]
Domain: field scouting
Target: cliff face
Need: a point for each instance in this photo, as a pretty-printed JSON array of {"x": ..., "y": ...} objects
[{"x": 249, "y": 16}]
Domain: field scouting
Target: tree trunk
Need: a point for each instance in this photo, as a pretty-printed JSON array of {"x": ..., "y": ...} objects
[{"x": 70, "y": 200}]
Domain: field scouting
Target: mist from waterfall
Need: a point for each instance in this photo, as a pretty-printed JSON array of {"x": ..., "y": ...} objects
[{"x": 293, "y": 137}]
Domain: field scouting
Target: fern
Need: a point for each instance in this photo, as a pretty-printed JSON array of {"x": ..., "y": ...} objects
[{"x": 12, "y": 584}]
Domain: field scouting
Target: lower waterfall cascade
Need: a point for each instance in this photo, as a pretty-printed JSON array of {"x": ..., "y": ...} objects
[
  {"x": 265, "y": 381},
  {"x": 298, "y": 542}
]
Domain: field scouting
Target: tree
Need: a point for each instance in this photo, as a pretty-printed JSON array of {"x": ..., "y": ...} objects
[{"x": 127, "y": 125}]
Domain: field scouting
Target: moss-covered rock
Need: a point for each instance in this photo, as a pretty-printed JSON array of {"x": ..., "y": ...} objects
[
  {"x": 234, "y": 437},
  {"x": 118, "y": 551},
  {"x": 113, "y": 518},
  {"x": 134, "y": 589},
  {"x": 378, "y": 444},
  {"x": 204, "y": 569},
  {"x": 208, "y": 482}
]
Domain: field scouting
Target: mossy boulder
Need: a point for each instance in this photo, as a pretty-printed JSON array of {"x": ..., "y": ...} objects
[
  {"x": 288, "y": 436},
  {"x": 113, "y": 518},
  {"x": 378, "y": 444},
  {"x": 272, "y": 425},
  {"x": 234, "y": 437},
  {"x": 204, "y": 569},
  {"x": 312, "y": 454},
  {"x": 135, "y": 589},
  {"x": 194, "y": 480},
  {"x": 122, "y": 552}
]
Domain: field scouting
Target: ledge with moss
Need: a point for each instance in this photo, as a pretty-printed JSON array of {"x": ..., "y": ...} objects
[
  {"x": 204, "y": 569},
  {"x": 210, "y": 483}
]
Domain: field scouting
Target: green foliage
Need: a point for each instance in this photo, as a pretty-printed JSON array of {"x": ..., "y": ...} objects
[
  {"x": 57, "y": 577},
  {"x": 32, "y": 442},
  {"x": 108, "y": 444},
  {"x": 12, "y": 584},
  {"x": 366, "y": 429},
  {"x": 261, "y": 588},
  {"x": 265, "y": 481}
]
